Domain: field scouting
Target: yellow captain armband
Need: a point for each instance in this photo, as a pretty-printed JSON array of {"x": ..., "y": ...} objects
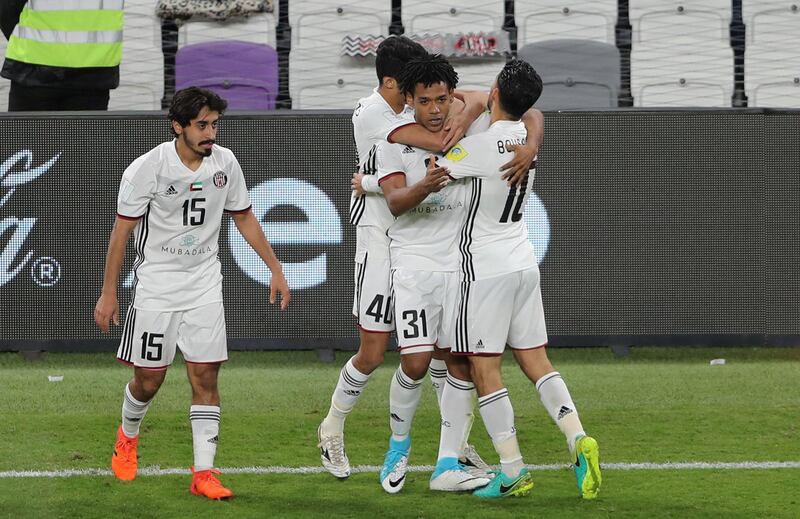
[{"x": 456, "y": 153}]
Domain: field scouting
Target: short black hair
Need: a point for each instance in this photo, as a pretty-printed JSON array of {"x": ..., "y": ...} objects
[
  {"x": 393, "y": 54},
  {"x": 519, "y": 86},
  {"x": 428, "y": 70},
  {"x": 187, "y": 103}
]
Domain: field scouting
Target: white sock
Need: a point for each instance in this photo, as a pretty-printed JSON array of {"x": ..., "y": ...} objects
[
  {"x": 438, "y": 373},
  {"x": 555, "y": 397},
  {"x": 133, "y": 412},
  {"x": 498, "y": 416},
  {"x": 205, "y": 435},
  {"x": 404, "y": 394},
  {"x": 349, "y": 387},
  {"x": 456, "y": 409}
]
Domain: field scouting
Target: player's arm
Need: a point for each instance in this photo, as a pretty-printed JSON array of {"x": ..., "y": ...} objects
[
  {"x": 107, "y": 307},
  {"x": 250, "y": 229},
  {"x": 401, "y": 197},
  {"x": 475, "y": 103},
  {"x": 362, "y": 184},
  {"x": 416, "y": 135},
  {"x": 524, "y": 154},
  {"x": 465, "y": 161}
]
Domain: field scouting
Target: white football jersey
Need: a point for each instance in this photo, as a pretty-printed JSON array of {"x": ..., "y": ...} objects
[
  {"x": 493, "y": 239},
  {"x": 425, "y": 237},
  {"x": 374, "y": 121},
  {"x": 179, "y": 212}
]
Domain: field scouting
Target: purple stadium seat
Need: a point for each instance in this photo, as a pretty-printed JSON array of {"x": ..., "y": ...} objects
[{"x": 245, "y": 74}]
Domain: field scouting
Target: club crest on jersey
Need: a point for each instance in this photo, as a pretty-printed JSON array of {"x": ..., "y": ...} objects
[
  {"x": 189, "y": 240},
  {"x": 435, "y": 198},
  {"x": 220, "y": 179},
  {"x": 456, "y": 153}
]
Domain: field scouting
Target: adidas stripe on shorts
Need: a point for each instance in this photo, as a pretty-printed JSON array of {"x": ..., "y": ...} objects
[
  {"x": 372, "y": 297},
  {"x": 150, "y": 338},
  {"x": 424, "y": 309},
  {"x": 501, "y": 310}
]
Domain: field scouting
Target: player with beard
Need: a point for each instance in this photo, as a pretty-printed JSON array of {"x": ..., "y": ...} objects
[{"x": 173, "y": 198}]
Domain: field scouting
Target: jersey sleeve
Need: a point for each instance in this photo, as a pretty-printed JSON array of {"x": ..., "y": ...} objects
[
  {"x": 238, "y": 199},
  {"x": 481, "y": 124},
  {"x": 380, "y": 122},
  {"x": 136, "y": 190},
  {"x": 389, "y": 161},
  {"x": 370, "y": 184},
  {"x": 467, "y": 159}
]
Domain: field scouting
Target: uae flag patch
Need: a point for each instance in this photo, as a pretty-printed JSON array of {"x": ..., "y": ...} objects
[{"x": 196, "y": 186}]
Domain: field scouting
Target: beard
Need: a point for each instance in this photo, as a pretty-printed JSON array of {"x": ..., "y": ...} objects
[{"x": 195, "y": 147}]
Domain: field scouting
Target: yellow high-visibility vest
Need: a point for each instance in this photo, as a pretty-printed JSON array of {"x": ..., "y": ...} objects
[{"x": 69, "y": 33}]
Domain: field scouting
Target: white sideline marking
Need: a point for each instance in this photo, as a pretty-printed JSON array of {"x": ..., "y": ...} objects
[{"x": 158, "y": 471}]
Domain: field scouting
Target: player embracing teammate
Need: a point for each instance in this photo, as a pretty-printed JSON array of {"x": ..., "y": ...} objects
[{"x": 465, "y": 277}]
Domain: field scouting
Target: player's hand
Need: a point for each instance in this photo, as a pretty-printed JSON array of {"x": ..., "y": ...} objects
[
  {"x": 106, "y": 309},
  {"x": 516, "y": 169},
  {"x": 279, "y": 286},
  {"x": 436, "y": 177},
  {"x": 355, "y": 184},
  {"x": 455, "y": 127}
]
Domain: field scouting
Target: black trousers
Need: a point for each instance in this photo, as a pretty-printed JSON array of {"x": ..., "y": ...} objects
[{"x": 23, "y": 98}]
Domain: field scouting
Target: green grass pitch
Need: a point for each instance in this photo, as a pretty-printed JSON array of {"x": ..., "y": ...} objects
[{"x": 658, "y": 405}]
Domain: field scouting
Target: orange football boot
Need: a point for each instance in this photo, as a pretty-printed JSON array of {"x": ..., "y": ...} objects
[
  {"x": 205, "y": 483},
  {"x": 124, "y": 461}
]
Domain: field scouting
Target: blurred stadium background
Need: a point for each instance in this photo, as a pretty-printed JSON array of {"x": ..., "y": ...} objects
[{"x": 592, "y": 54}]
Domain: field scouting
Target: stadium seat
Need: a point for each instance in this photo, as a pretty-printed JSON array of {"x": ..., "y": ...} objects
[
  {"x": 141, "y": 73},
  {"x": 772, "y": 66},
  {"x": 563, "y": 19},
  {"x": 663, "y": 78},
  {"x": 577, "y": 74},
  {"x": 319, "y": 75},
  {"x": 440, "y": 16},
  {"x": 338, "y": 93},
  {"x": 477, "y": 75},
  {"x": 470, "y": 16},
  {"x": 774, "y": 23},
  {"x": 768, "y": 86},
  {"x": 677, "y": 22},
  {"x": 245, "y": 74},
  {"x": 258, "y": 28},
  {"x": 681, "y": 53}
]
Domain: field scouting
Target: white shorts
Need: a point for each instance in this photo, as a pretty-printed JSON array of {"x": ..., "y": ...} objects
[
  {"x": 425, "y": 304},
  {"x": 372, "y": 298},
  {"x": 500, "y": 311},
  {"x": 149, "y": 338}
]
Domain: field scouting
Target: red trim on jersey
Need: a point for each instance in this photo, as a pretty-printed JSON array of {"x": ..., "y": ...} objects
[
  {"x": 390, "y": 175},
  {"x": 209, "y": 363},
  {"x": 531, "y": 348},
  {"x": 414, "y": 346},
  {"x": 470, "y": 354},
  {"x": 371, "y": 331},
  {"x": 391, "y": 133},
  {"x": 239, "y": 211},
  {"x": 132, "y": 365},
  {"x": 130, "y": 218}
]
